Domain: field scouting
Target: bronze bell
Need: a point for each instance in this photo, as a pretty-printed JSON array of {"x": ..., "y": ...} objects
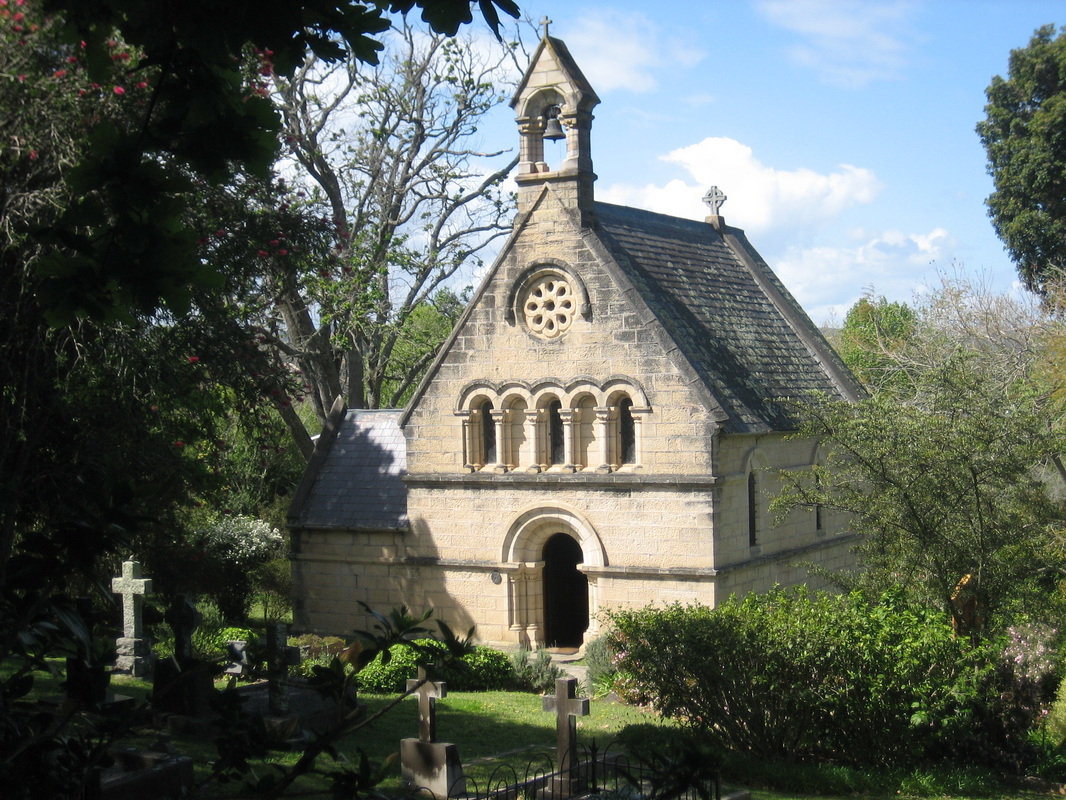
[{"x": 553, "y": 129}]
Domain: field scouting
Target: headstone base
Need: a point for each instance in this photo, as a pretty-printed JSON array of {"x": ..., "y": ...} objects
[
  {"x": 432, "y": 767},
  {"x": 138, "y": 774},
  {"x": 133, "y": 657}
]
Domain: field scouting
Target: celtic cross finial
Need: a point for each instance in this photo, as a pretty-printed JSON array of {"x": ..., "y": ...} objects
[{"x": 714, "y": 199}]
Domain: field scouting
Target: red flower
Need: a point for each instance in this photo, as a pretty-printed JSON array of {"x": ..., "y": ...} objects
[
  {"x": 283, "y": 252},
  {"x": 194, "y": 359},
  {"x": 119, "y": 90},
  {"x": 179, "y": 443},
  {"x": 263, "y": 253},
  {"x": 33, "y": 155},
  {"x": 60, "y": 73},
  {"x": 142, "y": 85}
]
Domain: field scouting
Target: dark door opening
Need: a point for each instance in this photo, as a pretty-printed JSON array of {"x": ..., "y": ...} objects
[{"x": 566, "y": 593}]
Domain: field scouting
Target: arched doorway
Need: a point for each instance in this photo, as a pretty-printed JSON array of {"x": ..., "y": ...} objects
[{"x": 566, "y": 593}]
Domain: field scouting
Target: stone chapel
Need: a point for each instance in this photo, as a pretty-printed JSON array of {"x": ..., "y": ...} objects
[{"x": 601, "y": 429}]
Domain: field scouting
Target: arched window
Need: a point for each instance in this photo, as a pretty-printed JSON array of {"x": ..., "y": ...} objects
[
  {"x": 753, "y": 510},
  {"x": 556, "y": 449},
  {"x": 488, "y": 434},
  {"x": 627, "y": 433}
]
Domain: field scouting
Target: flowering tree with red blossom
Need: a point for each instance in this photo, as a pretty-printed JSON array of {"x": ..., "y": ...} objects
[{"x": 203, "y": 118}]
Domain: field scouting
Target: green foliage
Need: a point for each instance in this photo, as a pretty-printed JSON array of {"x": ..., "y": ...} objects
[
  {"x": 483, "y": 669},
  {"x": 939, "y": 490},
  {"x": 873, "y": 329},
  {"x": 1022, "y": 135},
  {"x": 209, "y": 117},
  {"x": 599, "y": 659},
  {"x": 535, "y": 673},
  {"x": 803, "y": 676}
]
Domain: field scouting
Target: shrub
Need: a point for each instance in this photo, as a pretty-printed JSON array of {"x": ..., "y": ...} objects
[
  {"x": 601, "y": 668},
  {"x": 796, "y": 675},
  {"x": 536, "y": 675},
  {"x": 481, "y": 670}
]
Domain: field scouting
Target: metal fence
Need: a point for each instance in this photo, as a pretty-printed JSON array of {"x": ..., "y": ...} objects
[{"x": 607, "y": 772}]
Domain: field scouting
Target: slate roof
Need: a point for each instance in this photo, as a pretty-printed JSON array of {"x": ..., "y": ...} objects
[
  {"x": 357, "y": 483},
  {"x": 743, "y": 333}
]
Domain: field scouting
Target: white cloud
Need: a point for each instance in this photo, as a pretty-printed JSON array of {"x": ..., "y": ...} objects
[
  {"x": 761, "y": 198},
  {"x": 848, "y": 43},
  {"x": 624, "y": 50},
  {"x": 828, "y": 280}
]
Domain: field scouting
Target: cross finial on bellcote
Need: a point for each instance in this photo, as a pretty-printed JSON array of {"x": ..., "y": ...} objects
[
  {"x": 545, "y": 22},
  {"x": 714, "y": 199}
]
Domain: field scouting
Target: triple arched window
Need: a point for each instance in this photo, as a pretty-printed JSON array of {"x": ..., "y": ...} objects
[{"x": 581, "y": 428}]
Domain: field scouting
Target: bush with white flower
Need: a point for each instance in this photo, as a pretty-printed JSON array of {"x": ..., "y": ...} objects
[{"x": 235, "y": 548}]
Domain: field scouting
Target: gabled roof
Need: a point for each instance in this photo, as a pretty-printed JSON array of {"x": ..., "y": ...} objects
[
  {"x": 744, "y": 335},
  {"x": 355, "y": 479},
  {"x": 553, "y": 53}
]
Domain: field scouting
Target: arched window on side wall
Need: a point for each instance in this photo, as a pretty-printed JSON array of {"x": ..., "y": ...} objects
[{"x": 753, "y": 510}]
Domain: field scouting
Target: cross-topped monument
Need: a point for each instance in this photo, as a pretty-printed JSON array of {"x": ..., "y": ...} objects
[
  {"x": 429, "y": 692},
  {"x": 714, "y": 199},
  {"x": 132, "y": 647},
  {"x": 426, "y": 763},
  {"x": 545, "y": 22},
  {"x": 567, "y": 707}
]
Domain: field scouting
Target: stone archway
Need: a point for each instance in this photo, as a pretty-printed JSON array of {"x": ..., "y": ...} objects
[
  {"x": 552, "y": 552},
  {"x": 566, "y": 593}
]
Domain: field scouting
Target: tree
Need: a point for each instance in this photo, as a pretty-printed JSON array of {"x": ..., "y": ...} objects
[
  {"x": 1024, "y": 134},
  {"x": 874, "y": 329},
  {"x": 205, "y": 118},
  {"x": 391, "y": 155},
  {"x": 953, "y": 469}
]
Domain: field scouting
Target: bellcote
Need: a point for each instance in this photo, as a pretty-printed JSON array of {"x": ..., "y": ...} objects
[{"x": 554, "y": 88}]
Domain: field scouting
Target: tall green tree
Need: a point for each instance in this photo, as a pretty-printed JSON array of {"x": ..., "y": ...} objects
[
  {"x": 952, "y": 469},
  {"x": 1024, "y": 134},
  {"x": 121, "y": 242}
]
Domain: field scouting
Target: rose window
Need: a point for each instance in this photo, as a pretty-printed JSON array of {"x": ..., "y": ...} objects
[{"x": 549, "y": 306}]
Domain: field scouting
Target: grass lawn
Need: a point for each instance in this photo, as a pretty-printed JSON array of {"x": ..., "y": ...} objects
[{"x": 507, "y": 728}]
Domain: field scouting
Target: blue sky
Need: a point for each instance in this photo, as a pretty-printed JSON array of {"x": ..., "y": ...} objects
[{"x": 842, "y": 131}]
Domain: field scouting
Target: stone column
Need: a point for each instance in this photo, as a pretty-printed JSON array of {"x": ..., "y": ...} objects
[
  {"x": 502, "y": 444},
  {"x": 603, "y": 428},
  {"x": 469, "y": 440},
  {"x": 567, "y": 416},
  {"x": 530, "y": 428}
]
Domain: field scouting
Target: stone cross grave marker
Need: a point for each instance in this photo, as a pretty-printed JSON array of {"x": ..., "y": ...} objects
[
  {"x": 425, "y": 763},
  {"x": 428, "y": 695},
  {"x": 567, "y": 707},
  {"x": 280, "y": 656},
  {"x": 132, "y": 646}
]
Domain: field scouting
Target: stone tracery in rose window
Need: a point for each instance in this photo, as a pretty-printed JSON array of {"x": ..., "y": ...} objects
[{"x": 549, "y": 306}]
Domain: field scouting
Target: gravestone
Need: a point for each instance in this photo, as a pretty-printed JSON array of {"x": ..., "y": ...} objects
[
  {"x": 425, "y": 763},
  {"x": 567, "y": 707},
  {"x": 183, "y": 684},
  {"x": 280, "y": 656},
  {"x": 89, "y": 671},
  {"x": 134, "y": 655}
]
